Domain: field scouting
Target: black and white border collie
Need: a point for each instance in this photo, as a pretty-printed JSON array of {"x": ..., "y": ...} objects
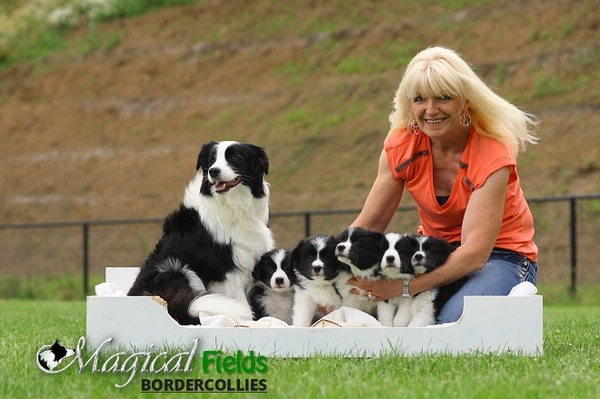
[
  {"x": 317, "y": 269},
  {"x": 204, "y": 260},
  {"x": 50, "y": 358},
  {"x": 273, "y": 291},
  {"x": 407, "y": 256},
  {"x": 361, "y": 250}
]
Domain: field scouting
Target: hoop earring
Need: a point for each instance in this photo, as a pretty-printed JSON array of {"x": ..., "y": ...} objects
[
  {"x": 415, "y": 127},
  {"x": 465, "y": 120}
]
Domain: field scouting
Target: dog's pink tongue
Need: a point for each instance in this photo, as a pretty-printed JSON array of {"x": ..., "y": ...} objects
[{"x": 221, "y": 186}]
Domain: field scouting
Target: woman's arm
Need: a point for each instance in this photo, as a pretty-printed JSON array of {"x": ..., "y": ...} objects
[
  {"x": 382, "y": 201},
  {"x": 481, "y": 224}
]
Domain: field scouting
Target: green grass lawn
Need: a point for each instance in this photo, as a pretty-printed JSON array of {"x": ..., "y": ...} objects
[{"x": 569, "y": 367}]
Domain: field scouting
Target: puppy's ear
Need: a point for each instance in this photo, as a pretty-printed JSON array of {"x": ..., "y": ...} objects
[
  {"x": 256, "y": 273},
  {"x": 381, "y": 241},
  {"x": 286, "y": 264},
  {"x": 332, "y": 243},
  {"x": 453, "y": 246},
  {"x": 342, "y": 236},
  {"x": 295, "y": 255}
]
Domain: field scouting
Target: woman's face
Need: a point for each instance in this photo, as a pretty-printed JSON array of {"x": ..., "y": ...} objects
[{"x": 438, "y": 116}]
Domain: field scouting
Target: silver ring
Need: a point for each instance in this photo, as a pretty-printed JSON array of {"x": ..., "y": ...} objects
[{"x": 369, "y": 294}]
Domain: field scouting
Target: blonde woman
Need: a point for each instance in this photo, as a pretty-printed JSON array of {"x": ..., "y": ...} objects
[{"x": 453, "y": 144}]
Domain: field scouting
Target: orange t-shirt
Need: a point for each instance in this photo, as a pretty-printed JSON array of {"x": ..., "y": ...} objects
[{"x": 410, "y": 160}]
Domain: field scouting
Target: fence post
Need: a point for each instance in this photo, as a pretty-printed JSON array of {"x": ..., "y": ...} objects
[
  {"x": 573, "y": 212},
  {"x": 307, "y": 224},
  {"x": 86, "y": 233}
]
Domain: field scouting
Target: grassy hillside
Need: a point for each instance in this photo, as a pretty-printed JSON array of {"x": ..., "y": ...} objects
[{"x": 109, "y": 125}]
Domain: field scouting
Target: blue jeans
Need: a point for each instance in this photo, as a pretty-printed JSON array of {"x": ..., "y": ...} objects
[{"x": 503, "y": 270}]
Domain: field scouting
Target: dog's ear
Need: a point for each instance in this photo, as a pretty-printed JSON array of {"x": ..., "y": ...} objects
[
  {"x": 332, "y": 243},
  {"x": 413, "y": 243},
  {"x": 342, "y": 236},
  {"x": 286, "y": 264},
  {"x": 204, "y": 155},
  {"x": 261, "y": 161},
  {"x": 381, "y": 241},
  {"x": 453, "y": 246},
  {"x": 288, "y": 268},
  {"x": 295, "y": 255},
  {"x": 256, "y": 273}
]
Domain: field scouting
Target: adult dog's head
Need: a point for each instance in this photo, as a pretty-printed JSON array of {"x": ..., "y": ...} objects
[{"x": 227, "y": 164}]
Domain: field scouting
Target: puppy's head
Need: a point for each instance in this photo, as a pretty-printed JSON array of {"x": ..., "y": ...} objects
[
  {"x": 397, "y": 258},
  {"x": 431, "y": 252},
  {"x": 274, "y": 270},
  {"x": 226, "y": 164},
  {"x": 314, "y": 258},
  {"x": 360, "y": 249}
]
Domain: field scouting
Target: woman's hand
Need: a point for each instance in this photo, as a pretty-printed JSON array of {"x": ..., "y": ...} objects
[{"x": 380, "y": 290}]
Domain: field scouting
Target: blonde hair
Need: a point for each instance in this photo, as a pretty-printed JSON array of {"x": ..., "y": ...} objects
[{"x": 438, "y": 72}]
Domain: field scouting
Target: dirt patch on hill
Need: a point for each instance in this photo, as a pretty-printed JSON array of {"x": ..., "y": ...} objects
[{"x": 111, "y": 127}]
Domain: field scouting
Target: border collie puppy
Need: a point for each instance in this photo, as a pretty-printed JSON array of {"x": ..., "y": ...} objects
[
  {"x": 204, "y": 260},
  {"x": 406, "y": 257},
  {"x": 317, "y": 269},
  {"x": 361, "y": 250},
  {"x": 273, "y": 291},
  {"x": 396, "y": 264}
]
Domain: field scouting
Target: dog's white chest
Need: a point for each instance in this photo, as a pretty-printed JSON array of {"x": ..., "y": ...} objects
[{"x": 236, "y": 219}]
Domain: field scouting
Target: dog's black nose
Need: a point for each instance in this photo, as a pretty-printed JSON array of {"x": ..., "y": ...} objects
[
  {"x": 341, "y": 247},
  {"x": 390, "y": 259},
  {"x": 419, "y": 257},
  {"x": 279, "y": 281},
  {"x": 317, "y": 269},
  {"x": 214, "y": 172}
]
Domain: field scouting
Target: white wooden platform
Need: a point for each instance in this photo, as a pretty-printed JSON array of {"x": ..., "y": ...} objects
[{"x": 489, "y": 324}]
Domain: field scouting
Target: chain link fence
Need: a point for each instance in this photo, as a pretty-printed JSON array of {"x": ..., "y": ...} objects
[{"x": 567, "y": 234}]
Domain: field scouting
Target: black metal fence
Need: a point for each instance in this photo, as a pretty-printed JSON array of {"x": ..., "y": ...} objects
[{"x": 567, "y": 233}]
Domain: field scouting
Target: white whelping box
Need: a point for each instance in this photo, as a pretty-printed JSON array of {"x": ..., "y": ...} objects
[{"x": 489, "y": 324}]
